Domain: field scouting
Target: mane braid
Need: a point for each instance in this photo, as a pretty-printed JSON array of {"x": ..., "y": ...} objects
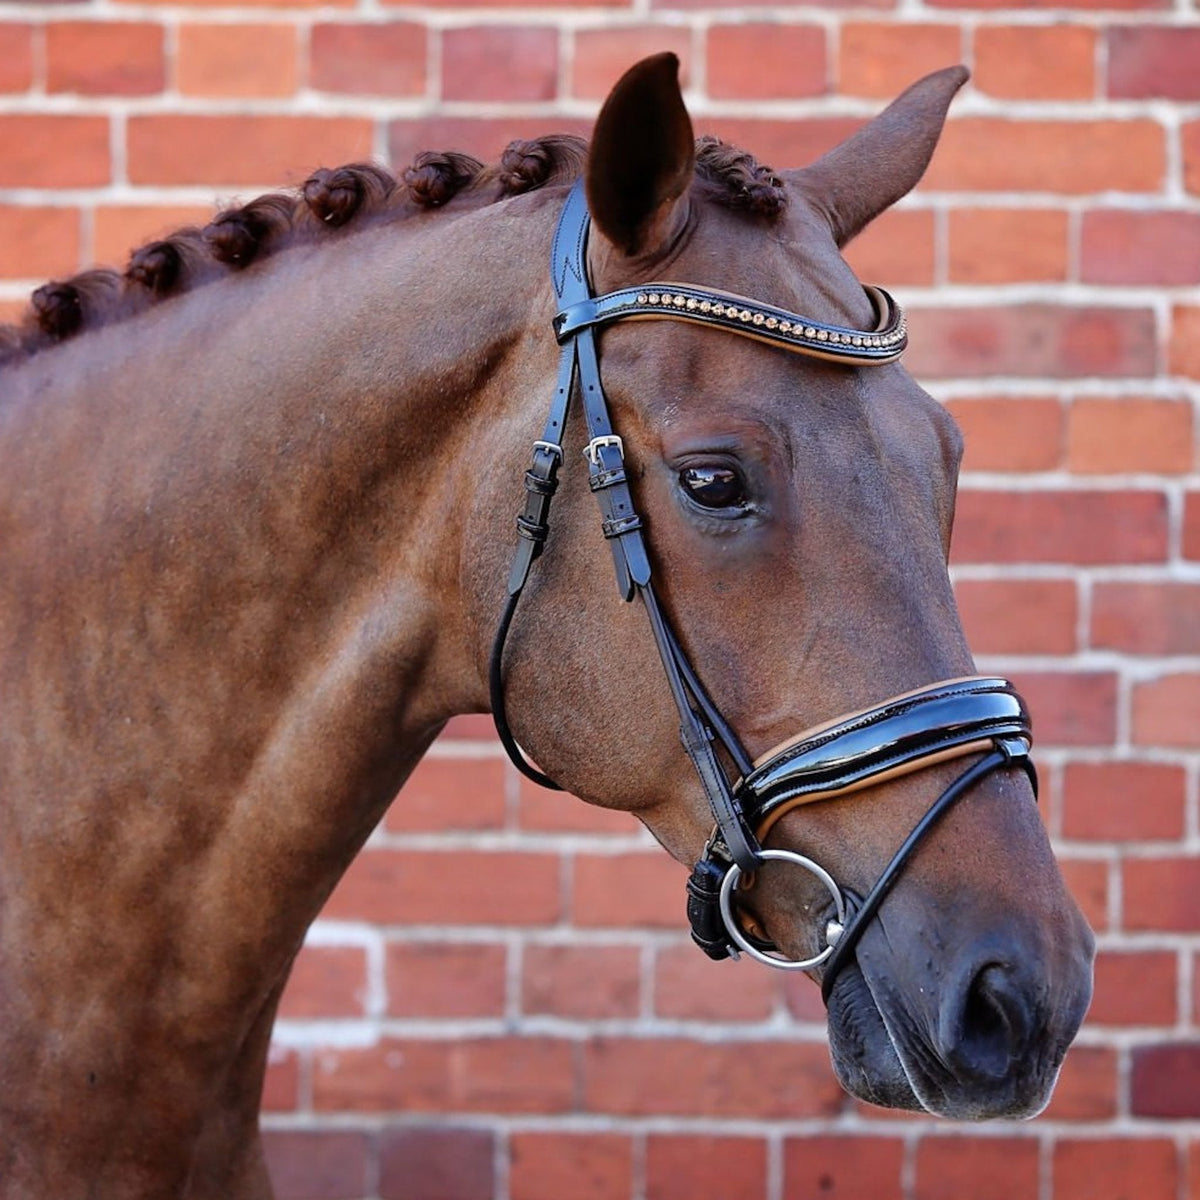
[{"x": 333, "y": 200}]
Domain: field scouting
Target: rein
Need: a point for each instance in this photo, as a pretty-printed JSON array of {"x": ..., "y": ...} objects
[{"x": 947, "y": 720}]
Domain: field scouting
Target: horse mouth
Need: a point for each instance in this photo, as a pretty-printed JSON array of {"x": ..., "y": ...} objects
[{"x": 881, "y": 1055}]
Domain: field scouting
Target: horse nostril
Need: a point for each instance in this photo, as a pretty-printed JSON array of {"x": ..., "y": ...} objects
[{"x": 987, "y": 1027}]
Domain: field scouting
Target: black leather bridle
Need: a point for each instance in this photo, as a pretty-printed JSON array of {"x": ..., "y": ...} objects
[{"x": 978, "y": 715}]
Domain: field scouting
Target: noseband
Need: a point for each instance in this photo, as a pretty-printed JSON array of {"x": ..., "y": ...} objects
[{"x": 954, "y": 718}]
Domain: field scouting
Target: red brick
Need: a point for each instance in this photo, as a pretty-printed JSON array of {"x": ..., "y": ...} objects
[
  {"x": 1008, "y": 245},
  {"x": 1071, "y": 708},
  {"x": 461, "y": 887},
  {"x": 478, "y": 61},
  {"x": 1018, "y": 616},
  {"x": 1147, "y": 618},
  {"x": 446, "y": 793},
  {"x": 602, "y": 55},
  {"x": 545, "y": 811},
  {"x": 1085, "y": 527},
  {"x": 896, "y": 248},
  {"x": 1121, "y": 246},
  {"x": 639, "y": 889},
  {"x": 883, "y": 59},
  {"x": 240, "y": 150},
  {"x": 1123, "y": 801},
  {"x": 1165, "y": 711},
  {"x": 582, "y": 1166},
  {"x": 281, "y": 1086},
  {"x": 326, "y": 981},
  {"x": 244, "y": 60},
  {"x": 1153, "y": 61},
  {"x": 1088, "y": 882},
  {"x": 766, "y": 61},
  {"x": 1036, "y": 62},
  {"x": 689, "y": 986},
  {"x": 369, "y": 59},
  {"x": 465, "y": 1074},
  {"x": 1162, "y": 894},
  {"x": 834, "y": 1167},
  {"x": 1184, "y": 349},
  {"x": 119, "y": 229},
  {"x": 984, "y": 1168},
  {"x": 1114, "y": 1168},
  {"x": 105, "y": 58},
  {"x": 584, "y": 982},
  {"x": 317, "y": 1164},
  {"x": 803, "y": 997},
  {"x": 985, "y": 154},
  {"x": 679, "y": 1167},
  {"x": 1031, "y": 340},
  {"x": 683, "y": 1077},
  {"x": 782, "y": 142},
  {"x": 471, "y": 727},
  {"x": 1191, "y": 525},
  {"x": 1130, "y": 433},
  {"x": 1135, "y": 987},
  {"x": 80, "y": 157},
  {"x": 1010, "y": 433},
  {"x": 38, "y": 242},
  {"x": 1190, "y": 138},
  {"x": 1087, "y": 1086},
  {"x": 16, "y": 57},
  {"x": 437, "y": 1164},
  {"x": 445, "y": 979}
]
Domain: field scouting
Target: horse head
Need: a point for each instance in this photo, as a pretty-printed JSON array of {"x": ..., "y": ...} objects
[{"x": 783, "y": 501}]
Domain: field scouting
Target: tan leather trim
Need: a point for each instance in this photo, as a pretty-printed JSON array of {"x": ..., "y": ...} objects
[
  {"x": 763, "y": 759},
  {"x": 907, "y": 768}
]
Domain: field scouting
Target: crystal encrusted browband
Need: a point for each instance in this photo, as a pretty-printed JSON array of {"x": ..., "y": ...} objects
[{"x": 750, "y": 318}]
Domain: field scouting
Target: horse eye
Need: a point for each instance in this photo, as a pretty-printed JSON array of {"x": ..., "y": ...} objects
[{"x": 714, "y": 487}]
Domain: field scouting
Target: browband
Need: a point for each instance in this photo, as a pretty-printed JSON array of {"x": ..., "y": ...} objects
[{"x": 750, "y": 318}]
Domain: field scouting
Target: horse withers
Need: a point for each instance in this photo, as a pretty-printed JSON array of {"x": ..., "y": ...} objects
[{"x": 258, "y": 497}]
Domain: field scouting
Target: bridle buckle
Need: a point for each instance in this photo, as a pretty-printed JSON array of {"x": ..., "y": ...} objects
[{"x": 592, "y": 450}]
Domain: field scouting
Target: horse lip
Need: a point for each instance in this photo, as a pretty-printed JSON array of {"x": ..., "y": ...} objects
[{"x": 931, "y": 1084}]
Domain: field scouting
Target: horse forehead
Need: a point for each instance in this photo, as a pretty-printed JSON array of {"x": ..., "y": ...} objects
[{"x": 789, "y": 260}]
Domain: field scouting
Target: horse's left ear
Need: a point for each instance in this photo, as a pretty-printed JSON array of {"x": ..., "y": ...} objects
[
  {"x": 884, "y": 160},
  {"x": 640, "y": 161}
]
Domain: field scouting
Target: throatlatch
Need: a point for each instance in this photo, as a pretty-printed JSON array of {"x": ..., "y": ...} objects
[{"x": 973, "y": 716}]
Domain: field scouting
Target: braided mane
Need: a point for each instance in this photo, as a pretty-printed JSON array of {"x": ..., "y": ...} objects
[{"x": 330, "y": 201}]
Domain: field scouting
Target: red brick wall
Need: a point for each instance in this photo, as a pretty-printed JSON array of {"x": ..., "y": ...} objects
[{"x": 500, "y": 1001}]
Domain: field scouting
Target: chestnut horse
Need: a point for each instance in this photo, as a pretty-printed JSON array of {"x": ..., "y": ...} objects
[{"x": 257, "y": 518}]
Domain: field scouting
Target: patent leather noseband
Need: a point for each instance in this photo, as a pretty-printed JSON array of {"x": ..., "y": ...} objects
[{"x": 981, "y": 717}]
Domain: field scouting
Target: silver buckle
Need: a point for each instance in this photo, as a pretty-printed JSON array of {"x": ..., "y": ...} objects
[{"x": 592, "y": 451}]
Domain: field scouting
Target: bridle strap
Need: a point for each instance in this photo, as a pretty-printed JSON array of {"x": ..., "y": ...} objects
[
  {"x": 1009, "y": 752},
  {"x": 749, "y": 318}
]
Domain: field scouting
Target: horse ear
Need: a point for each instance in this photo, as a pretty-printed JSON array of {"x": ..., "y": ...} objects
[
  {"x": 640, "y": 161},
  {"x": 884, "y": 160}
]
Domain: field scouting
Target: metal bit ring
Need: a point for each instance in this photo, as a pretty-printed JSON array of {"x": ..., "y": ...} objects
[{"x": 833, "y": 929}]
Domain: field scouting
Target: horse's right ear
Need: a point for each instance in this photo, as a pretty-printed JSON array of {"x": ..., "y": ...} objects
[{"x": 640, "y": 161}]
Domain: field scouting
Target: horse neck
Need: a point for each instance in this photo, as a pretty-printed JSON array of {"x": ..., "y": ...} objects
[{"x": 266, "y": 482}]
